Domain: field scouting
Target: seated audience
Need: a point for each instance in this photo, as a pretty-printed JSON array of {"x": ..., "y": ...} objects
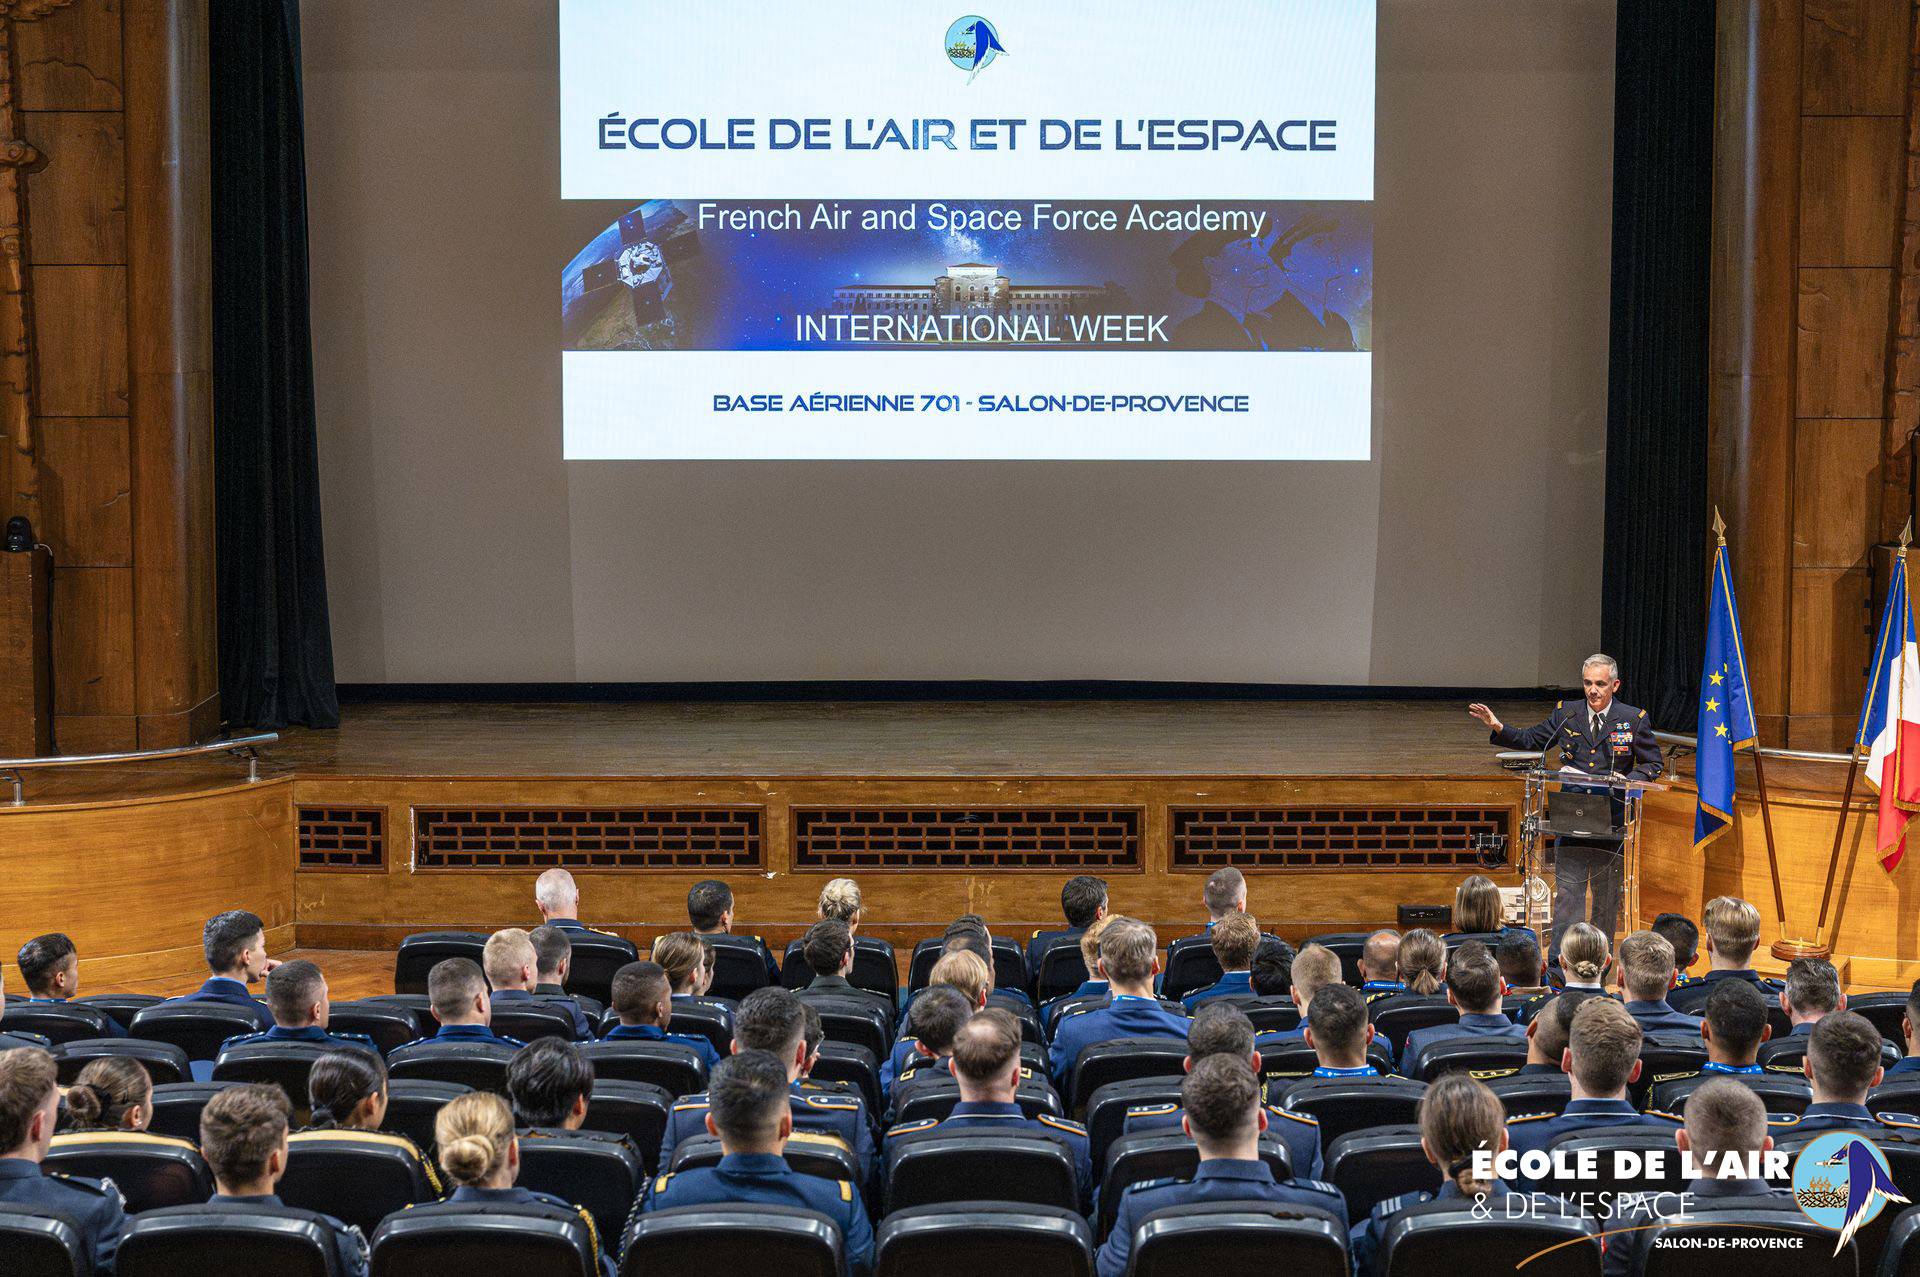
[
  {"x": 552, "y": 960},
  {"x": 775, "y": 1020},
  {"x": 710, "y": 910},
  {"x": 1732, "y": 927},
  {"x": 1235, "y": 939},
  {"x": 1339, "y": 1032},
  {"x": 828, "y": 946},
  {"x": 1522, "y": 965},
  {"x": 113, "y": 1093},
  {"x": 549, "y": 1084},
  {"x": 243, "y": 1136},
  {"x": 297, "y": 997},
  {"x": 512, "y": 966},
  {"x": 968, "y": 933},
  {"x": 1474, "y": 988},
  {"x": 1380, "y": 965},
  {"x": 1735, "y": 1026},
  {"x": 1842, "y": 1064},
  {"x": 457, "y": 995},
  {"x": 932, "y": 1021},
  {"x": 1646, "y": 973},
  {"x": 1811, "y": 994},
  {"x": 1602, "y": 1057},
  {"x": 1584, "y": 958},
  {"x": 688, "y": 962},
  {"x": 1129, "y": 959},
  {"x": 1224, "y": 1115},
  {"x": 480, "y": 1154},
  {"x": 1222, "y": 1029},
  {"x": 840, "y": 902},
  {"x": 1313, "y": 969},
  {"x": 1089, "y": 943},
  {"x": 557, "y": 898},
  {"x": 1083, "y": 901},
  {"x": 1423, "y": 961},
  {"x": 962, "y": 970},
  {"x": 1477, "y": 909},
  {"x": 1910, "y": 1031},
  {"x": 1722, "y": 1117},
  {"x": 1458, "y": 1117},
  {"x": 986, "y": 1062},
  {"x": 29, "y": 1107},
  {"x": 1547, "y": 1034},
  {"x": 50, "y": 966},
  {"x": 751, "y": 1112},
  {"x": 1272, "y": 974},
  {"x": 643, "y": 1001},
  {"x": 1679, "y": 931},
  {"x": 235, "y": 944},
  {"x": 349, "y": 1091}
]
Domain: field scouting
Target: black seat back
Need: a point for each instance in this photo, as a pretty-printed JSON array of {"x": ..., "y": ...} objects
[
  {"x": 1483, "y": 1057},
  {"x": 459, "y": 1239},
  {"x": 163, "y": 1061},
  {"x": 1147, "y": 1155},
  {"x": 1346, "y": 946},
  {"x": 58, "y": 1022},
  {"x": 934, "y": 1095},
  {"x": 637, "y": 1110},
  {"x": 1341, "y": 1105},
  {"x": 1062, "y": 970},
  {"x": 1106, "y": 1111},
  {"x": 1898, "y": 1094},
  {"x": 479, "y": 1065},
  {"x": 121, "y": 1006},
  {"x": 1901, "y": 1255},
  {"x": 417, "y": 1005},
  {"x": 1436, "y": 1238},
  {"x": 151, "y": 1171},
  {"x": 40, "y": 1243},
  {"x": 1220, "y": 1237},
  {"x": 1883, "y": 1010},
  {"x": 359, "y": 1177},
  {"x": 995, "y": 1237},
  {"x": 1395, "y": 1017},
  {"x": 1526, "y": 1094},
  {"x": 388, "y": 1025},
  {"x": 282, "y": 1064},
  {"x": 732, "y": 1239},
  {"x": 177, "y": 1105},
  {"x": 1736, "y": 1231},
  {"x": 601, "y": 1172},
  {"x": 1275, "y": 1014},
  {"x": 855, "y": 1065},
  {"x": 1664, "y": 1053},
  {"x": 199, "y": 1028},
  {"x": 1781, "y": 1092},
  {"x": 595, "y": 959},
  {"x": 937, "y": 1166},
  {"x": 672, "y": 1066},
  {"x": 529, "y": 1020},
  {"x": 413, "y": 1103},
  {"x": 1372, "y": 1165},
  {"x": 739, "y": 966},
  {"x": 809, "y": 1152},
  {"x": 699, "y": 1020},
  {"x": 856, "y": 1020},
  {"x": 1009, "y": 964},
  {"x": 420, "y": 952},
  {"x": 1190, "y": 966},
  {"x": 1120, "y": 1059},
  {"x": 875, "y": 969},
  {"x": 184, "y": 1241}
]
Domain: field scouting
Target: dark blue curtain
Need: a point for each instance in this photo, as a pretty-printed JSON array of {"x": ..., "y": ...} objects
[
  {"x": 276, "y": 653},
  {"x": 1653, "y": 590}
]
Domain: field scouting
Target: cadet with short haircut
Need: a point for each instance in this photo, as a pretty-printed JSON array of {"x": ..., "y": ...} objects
[
  {"x": 829, "y": 950},
  {"x": 643, "y": 1000},
  {"x": 1235, "y": 939},
  {"x": 235, "y": 944},
  {"x": 29, "y": 1107},
  {"x": 1646, "y": 973},
  {"x": 50, "y": 966},
  {"x": 512, "y": 967},
  {"x": 1812, "y": 992},
  {"x": 1843, "y": 1064},
  {"x": 933, "y": 1020},
  {"x": 1314, "y": 968},
  {"x": 1083, "y": 901},
  {"x": 1602, "y": 1057},
  {"x": 550, "y": 1083},
  {"x": 1732, "y": 931},
  {"x": 243, "y": 1136},
  {"x": 457, "y": 994},
  {"x": 297, "y": 997},
  {"x": 710, "y": 910},
  {"x": 1380, "y": 965},
  {"x": 1129, "y": 959}
]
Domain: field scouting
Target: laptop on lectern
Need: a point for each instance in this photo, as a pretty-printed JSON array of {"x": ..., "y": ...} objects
[{"x": 1584, "y": 817}]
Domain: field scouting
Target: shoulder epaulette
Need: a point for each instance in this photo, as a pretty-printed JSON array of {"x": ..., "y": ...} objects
[
  {"x": 846, "y": 1190},
  {"x": 687, "y": 1106},
  {"x": 1141, "y": 1186},
  {"x": 1394, "y": 1205},
  {"x": 1488, "y": 1075},
  {"x": 1642, "y": 714},
  {"x": 817, "y": 1137},
  {"x": 598, "y": 932},
  {"x": 1317, "y": 1185},
  {"x": 1067, "y": 1013},
  {"x": 1559, "y": 704},
  {"x": 1292, "y": 1116},
  {"x": 1783, "y": 1119},
  {"x": 1687, "y": 980},
  {"x": 1529, "y": 1117},
  {"x": 1675, "y": 1077},
  {"x": 1793, "y": 1070},
  {"x": 1154, "y": 1110},
  {"x": 1662, "y": 1113},
  {"x": 919, "y": 1124},
  {"x": 836, "y": 1103},
  {"x": 660, "y": 1185},
  {"x": 1905, "y": 1121},
  {"x": 101, "y": 1187},
  {"x": 67, "y": 1139},
  {"x": 1061, "y": 1124}
]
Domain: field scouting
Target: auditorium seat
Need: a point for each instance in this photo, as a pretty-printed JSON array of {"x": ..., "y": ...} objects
[
  {"x": 1106, "y": 1109},
  {"x": 1346, "y": 946},
  {"x": 1269, "y": 1015},
  {"x": 413, "y": 1103},
  {"x": 1662, "y": 1055},
  {"x": 1146, "y": 1155},
  {"x": 1901, "y": 1255},
  {"x": 637, "y": 1110},
  {"x": 1009, "y": 964},
  {"x": 58, "y": 1022},
  {"x": 729, "y": 1239},
  {"x": 1341, "y": 1105},
  {"x": 459, "y": 1239},
  {"x": 1119, "y": 1059},
  {"x": 994, "y": 1237},
  {"x": 1601, "y": 1139},
  {"x": 1372, "y": 1165},
  {"x": 1088, "y": 1000},
  {"x": 854, "y": 1065},
  {"x": 875, "y": 968},
  {"x": 1788, "y": 1052},
  {"x": 934, "y": 1166},
  {"x": 1282, "y": 1063},
  {"x": 1480, "y": 1056},
  {"x": 1062, "y": 970},
  {"x": 854, "y": 1019},
  {"x": 1899, "y": 1094},
  {"x": 121, "y": 1006},
  {"x": 1439, "y": 1237},
  {"x": 199, "y": 1028},
  {"x": 1882, "y": 1010},
  {"x": 594, "y": 961},
  {"x": 359, "y": 1177},
  {"x": 739, "y": 966},
  {"x": 192, "y": 1239},
  {"x": 389, "y": 1026},
  {"x": 40, "y": 1243},
  {"x": 163, "y": 1061},
  {"x": 1524, "y": 1095},
  {"x": 1491, "y": 939},
  {"x": 177, "y": 1105},
  {"x": 1396, "y": 1016},
  {"x": 1211, "y": 1238},
  {"x": 809, "y": 1152},
  {"x": 1719, "y": 1241},
  {"x": 530, "y": 1020},
  {"x": 151, "y": 1170},
  {"x": 417, "y": 1005},
  {"x": 420, "y": 952},
  {"x": 711, "y": 1021},
  {"x": 282, "y": 1064},
  {"x": 1781, "y": 1092},
  {"x": 1190, "y": 966},
  {"x": 935, "y": 1094},
  {"x": 480, "y": 1065},
  {"x": 672, "y": 1066},
  {"x": 594, "y": 1169}
]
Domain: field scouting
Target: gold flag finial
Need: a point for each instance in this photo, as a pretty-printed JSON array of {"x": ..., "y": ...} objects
[
  {"x": 1906, "y": 535},
  {"x": 1719, "y": 527}
]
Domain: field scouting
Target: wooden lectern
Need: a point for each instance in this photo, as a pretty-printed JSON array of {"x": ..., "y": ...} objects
[{"x": 26, "y": 654}]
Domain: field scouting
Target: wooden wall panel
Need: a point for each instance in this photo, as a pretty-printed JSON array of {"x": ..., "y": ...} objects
[
  {"x": 1846, "y": 319},
  {"x": 1856, "y": 57},
  {"x": 76, "y": 213},
  {"x": 93, "y": 641},
  {"x": 69, "y": 59},
  {"x": 1830, "y": 641},
  {"x": 1836, "y": 491},
  {"x": 80, "y": 324},
  {"x": 86, "y": 513},
  {"x": 1852, "y": 178}
]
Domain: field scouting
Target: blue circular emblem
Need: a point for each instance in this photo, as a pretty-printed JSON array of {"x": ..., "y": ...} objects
[
  {"x": 973, "y": 43},
  {"x": 1840, "y": 1175}
]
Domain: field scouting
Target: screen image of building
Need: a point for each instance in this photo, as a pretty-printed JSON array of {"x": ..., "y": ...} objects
[{"x": 971, "y": 288}]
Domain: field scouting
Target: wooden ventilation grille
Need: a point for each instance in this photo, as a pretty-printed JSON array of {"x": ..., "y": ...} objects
[
  {"x": 342, "y": 838},
  {"x": 1280, "y": 838},
  {"x": 919, "y": 839},
  {"x": 671, "y": 838}
]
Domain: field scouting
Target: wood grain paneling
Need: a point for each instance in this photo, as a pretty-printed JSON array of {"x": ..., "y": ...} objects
[
  {"x": 76, "y": 205},
  {"x": 80, "y": 326},
  {"x": 69, "y": 60},
  {"x": 26, "y": 668},
  {"x": 1856, "y": 57},
  {"x": 1846, "y": 319},
  {"x": 87, "y": 515},
  {"x": 95, "y": 733},
  {"x": 93, "y": 641},
  {"x": 1836, "y": 492},
  {"x": 1830, "y": 639},
  {"x": 1852, "y": 178}
]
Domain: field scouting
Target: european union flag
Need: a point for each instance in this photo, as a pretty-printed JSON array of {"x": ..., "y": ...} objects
[{"x": 1726, "y": 712}]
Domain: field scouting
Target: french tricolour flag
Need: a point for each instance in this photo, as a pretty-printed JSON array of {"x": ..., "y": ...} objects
[{"x": 1890, "y": 722}]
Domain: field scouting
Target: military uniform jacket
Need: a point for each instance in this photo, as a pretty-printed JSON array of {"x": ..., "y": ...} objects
[
  {"x": 1125, "y": 1016},
  {"x": 1471, "y": 1025},
  {"x": 114, "y": 1028},
  {"x": 1692, "y": 996},
  {"x": 312, "y": 1033},
  {"x": 1842, "y": 1117},
  {"x": 1907, "y": 1064},
  {"x": 968, "y": 1117},
  {"x": 582, "y": 1031},
  {"x": 821, "y": 1112},
  {"x": 94, "y": 1206},
  {"x": 1233, "y": 984},
  {"x": 1530, "y": 1133},
  {"x": 231, "y": 992},
  {"x": 1660, "y": 1017},
  {"x": 1299, "y": 1132},
  {"x": 1627, "y": 1252},
  {"x": 1217, "y": 1180},
  {"x": 527, "y": 1197},
  {"x": 1368, "y": 1238},
  {"x": 574, "y": 924},
  {"x": 349, "y": 1245},
  {"x": 454, "y": 1033},
  {"x": 1042, "y": 941},
  {"x": 654, "y": 1033},
  {"x": 764, "y": 1179},
  {"x": 1624, "y": 745}
]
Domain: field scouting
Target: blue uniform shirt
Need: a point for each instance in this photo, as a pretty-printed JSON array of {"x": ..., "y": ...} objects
[
  {"x": 839, "y": 1114},
  {"x": 1300, "y": 1133},
  {"x": 582, "y": 1031},
  {"x": 1472, "y": 1025},
  {"x": 310, "y": 1033},
  {"x": 1660, "y": 1017},
  {"x": 1051, "y": 1011},
  {"x": 1532, "y": 1133},
  {"x": 970, "y": 1115},
  {"x": 1233, "y": 984},
  {"x": 1217, "y": 1180},
  {"x": 764, "y": 1179},
  {"x": 221, "y": 989},
  {"x": 349, "y": 1244},
  {"x": 1826, "y": 1117},
  {"x": 1369, "y": 1236},
  {"x": 1907, "y": 1064},
  {"x": 94, "y": 1206},
  {"x": 1126, "y": 1016},
  {"x": 114, "y": 1028},
  {"x": 527, "y": 1197},
  {"x": 463, "y": 1033},
  {"x": 654, "y": 1033}
]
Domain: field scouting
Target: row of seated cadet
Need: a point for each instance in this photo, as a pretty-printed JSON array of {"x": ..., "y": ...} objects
[{"x": 611, "y": 1124}]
